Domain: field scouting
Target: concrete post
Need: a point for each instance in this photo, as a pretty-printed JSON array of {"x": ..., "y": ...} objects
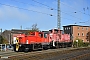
[
  {"x": 77, "y": 42},
  {"x": 1, "y": 47},
  {"x": 5, "y": 47}
]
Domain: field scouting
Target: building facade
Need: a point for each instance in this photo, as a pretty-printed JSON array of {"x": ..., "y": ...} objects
[
  {"x": 9, "y": 34},
  {"x": 77, "y": 31}
]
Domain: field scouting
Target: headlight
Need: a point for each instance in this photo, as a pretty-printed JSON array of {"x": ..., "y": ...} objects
[{"x": 20, "y": 45}]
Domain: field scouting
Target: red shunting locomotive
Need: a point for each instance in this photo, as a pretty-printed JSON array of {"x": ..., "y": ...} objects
[{"x": 53, "y": 38}]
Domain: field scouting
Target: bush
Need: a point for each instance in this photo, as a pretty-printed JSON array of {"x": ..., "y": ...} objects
[
  {"x": 3, "y": 40},
  {"x": 80, "y": 43},
  {"x": 85, "y": 44}
]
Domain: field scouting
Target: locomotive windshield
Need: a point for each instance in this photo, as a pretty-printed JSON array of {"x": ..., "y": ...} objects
[
  {"x": 41, "y": 35},
  {"x": 54, "y": 30},
  {"x": 45, "y": 35}
]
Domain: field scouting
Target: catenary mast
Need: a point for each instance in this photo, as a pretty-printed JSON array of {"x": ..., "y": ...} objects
[{"x": 58, "y": 16}]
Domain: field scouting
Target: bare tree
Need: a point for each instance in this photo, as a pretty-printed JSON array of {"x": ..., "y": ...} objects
[{"x": 34, "y": 27}]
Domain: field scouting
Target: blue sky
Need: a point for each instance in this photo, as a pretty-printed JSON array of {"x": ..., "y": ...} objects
[{"x": 11, "y": 17}]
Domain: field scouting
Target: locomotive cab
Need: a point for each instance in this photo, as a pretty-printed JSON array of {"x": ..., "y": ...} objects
[
  {"x": 33, "y": 41},
  {"x": 54, "y": 37}
]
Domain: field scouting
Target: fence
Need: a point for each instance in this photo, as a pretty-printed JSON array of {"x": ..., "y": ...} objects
[{"x": 5, "y": 47}]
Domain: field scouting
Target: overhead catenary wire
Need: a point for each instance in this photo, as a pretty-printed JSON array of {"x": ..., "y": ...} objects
[
  {"x": 47, "y": 8},
  {"x": 44, "y": 5},
  {"x": 74, "y": 8},
  {"x": 61, "y": 3},
  {"x": 62, "y": 11},
  {"x": 57, "y": 9},
  {"x": 77, "y": 10},
  {"x": 87, "y": 8},
  {"x": 83, "y": 6},
  {"x": 54, "y": 9},
  {"x": 32, "y": 10},
  {"x": 28, "y": 4},
  {"x": 26, "y": 9},
  {"x": 70, "y": 15}
]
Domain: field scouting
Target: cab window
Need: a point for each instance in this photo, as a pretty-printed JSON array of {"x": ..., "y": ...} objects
[
  {"x": 41, "y": 35},
  {"x": 45, "y": 35}
]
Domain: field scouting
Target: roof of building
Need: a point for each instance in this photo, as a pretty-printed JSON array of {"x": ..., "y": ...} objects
[
  {"x": 15, "y": 31},
  {"x": 75, "y": 25},
  {"x": 19, "y": 30}
]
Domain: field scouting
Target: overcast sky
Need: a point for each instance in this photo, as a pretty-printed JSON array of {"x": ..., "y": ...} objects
[{"x": 14, "y": 13}]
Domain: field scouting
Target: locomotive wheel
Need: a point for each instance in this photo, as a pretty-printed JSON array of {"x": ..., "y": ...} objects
[
  {"x": 57, "y": 47},
  {"x": 26, "y": 50},
  {"x": 45, "y": 47}
]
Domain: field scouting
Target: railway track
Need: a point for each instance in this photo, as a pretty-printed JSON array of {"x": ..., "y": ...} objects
[
  {"x": 12, "y": 53},
  {"x": 74, "y": 55},
  {"x": 51, "y": 54}
]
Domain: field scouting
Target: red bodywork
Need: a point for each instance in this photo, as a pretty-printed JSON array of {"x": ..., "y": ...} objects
[
  {"x": 38, "y": 37},
  {"x": 58, "y": 36},
  {"x": 34, "y": 37},
  {"x": 42, "y": 40}
]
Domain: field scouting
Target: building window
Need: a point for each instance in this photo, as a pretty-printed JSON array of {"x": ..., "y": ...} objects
[
  {"x": 86, "y": 28},
  {"x": 78, "y": 28},
  {"x": 82, "y": 34},
  {"x": 65, "y": 28},
  {"x": 69, "y": 27},
  {"x": 78, "y": 34},
  {"x": 87, "y": 40},
  {"x": 82, "y": 28},
  {"x": 87, "y": 34}
]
